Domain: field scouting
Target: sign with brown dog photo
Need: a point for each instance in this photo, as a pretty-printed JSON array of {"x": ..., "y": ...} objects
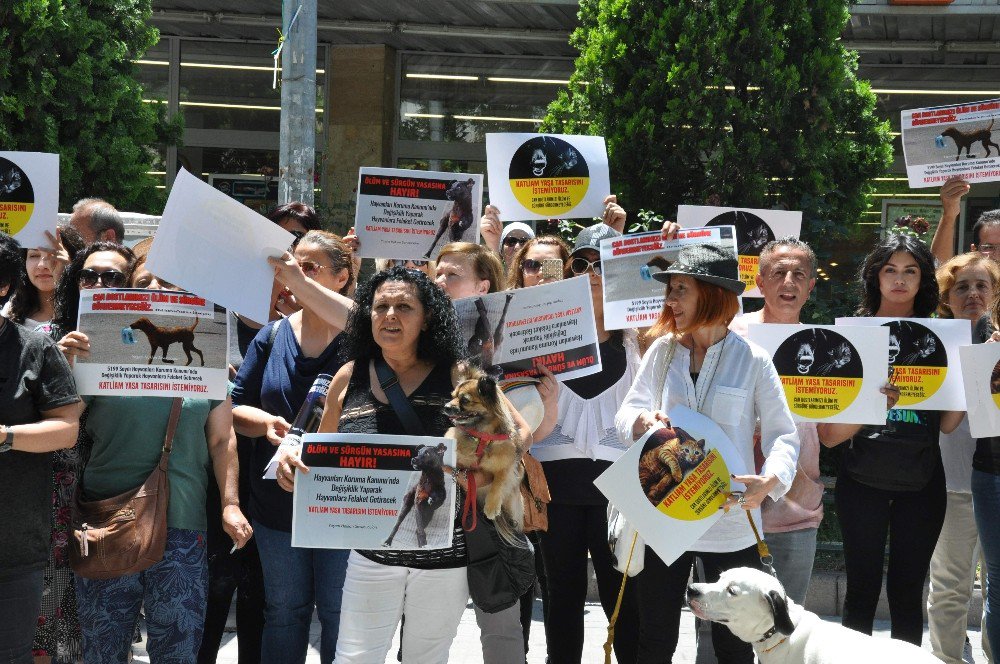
[
  {"x": 408, "y": 214},
  {"x": 946, "y": 142},
  {"x": 153, "y": 343},
  {"x": 369, "y": 491}
]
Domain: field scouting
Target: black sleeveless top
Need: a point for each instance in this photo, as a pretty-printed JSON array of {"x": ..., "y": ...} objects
[{"x": 363, "y": 413}]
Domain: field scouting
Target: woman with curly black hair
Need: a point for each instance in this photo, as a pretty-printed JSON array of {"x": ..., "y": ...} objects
[
  {"x": 405, "y": 321},
  {"x": 891, "y": 482}
]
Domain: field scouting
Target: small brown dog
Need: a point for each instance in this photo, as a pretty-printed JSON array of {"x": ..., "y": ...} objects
[
  {"x": 487, "y": 440},
  {"x": 965, "y": 139},
  {"x": 162, "y": 337}
]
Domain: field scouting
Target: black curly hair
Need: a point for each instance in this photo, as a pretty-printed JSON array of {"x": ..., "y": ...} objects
[
  {"x": 440, "y": 342},
  {"x": 926, "y": 300},
  {"x": 26, "y": 299},
  {"x": 67, "y": 300}
]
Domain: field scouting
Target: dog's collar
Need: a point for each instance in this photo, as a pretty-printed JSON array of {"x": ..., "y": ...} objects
[
  {"x": 482, "y": 436},
  {"x": 767, "y": 635}
]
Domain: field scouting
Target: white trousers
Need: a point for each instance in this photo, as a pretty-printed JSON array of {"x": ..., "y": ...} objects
[
  {"x": 953, "y": 570},
  {"x": 376, "y": 596}
]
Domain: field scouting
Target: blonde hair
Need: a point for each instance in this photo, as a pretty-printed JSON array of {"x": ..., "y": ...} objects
[
  {"x": 947, "y": 274},
  {"x": 485, "y": 263}
]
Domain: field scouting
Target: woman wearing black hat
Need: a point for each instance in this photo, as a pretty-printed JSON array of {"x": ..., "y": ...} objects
[{"x": 699, "y": 363}]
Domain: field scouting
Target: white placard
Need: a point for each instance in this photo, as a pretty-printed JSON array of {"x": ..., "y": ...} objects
[
  {"x": 946, "y": 142},
  {"x": 669, "y": 516},
  {"x": 923, "y": 356},
  {"x": 29, "y": 196},
  {"x": 511, "y": 332},
  {"x": 829, "y": 373},
  {"x": 413, "y": 214},
  {"x": 358, "y": 487},
  {"x": 632, "y": 297},
  {"x": 754, "y": 229},
  {"x": 153, "y": 343},
  {"x": 211, "y": 245},
  {"x": 981, "y": 375},
  {"x": 544, "y": 176}
]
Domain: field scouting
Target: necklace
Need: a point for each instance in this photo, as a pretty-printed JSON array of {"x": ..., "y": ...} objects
[{"x": 700, "y": 403}]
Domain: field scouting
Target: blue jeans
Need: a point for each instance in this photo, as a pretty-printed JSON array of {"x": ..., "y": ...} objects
[
  {"x": 986, "y": 503},
  {"x": 22, "y": 601},
  {"x": 296, "y": 580},
  {"x": 794, "y": 553},
  {"x": 173, "y": 593}
]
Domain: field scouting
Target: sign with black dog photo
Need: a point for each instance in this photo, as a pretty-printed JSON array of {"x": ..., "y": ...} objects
[
  {"x": 369, "y": 491},
  {"x": 946, "y": 142},
  {"x": 408, "y": 214},
  {"x": 152, "y": 343}
]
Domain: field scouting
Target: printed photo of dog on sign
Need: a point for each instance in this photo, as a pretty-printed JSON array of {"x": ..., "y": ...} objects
[
  {"x": 958, "y": 141},
  {"x": 421, "y": 522},
  {"x": 458, "y": 216},
  {"x": 130, "y": 336}
]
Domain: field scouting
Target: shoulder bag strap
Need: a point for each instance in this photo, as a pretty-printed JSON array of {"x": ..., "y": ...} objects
[
  {"x": 168, "y": 439},
  {"x": 389, "y": 383},
  {"x": 271, "y": 336}
]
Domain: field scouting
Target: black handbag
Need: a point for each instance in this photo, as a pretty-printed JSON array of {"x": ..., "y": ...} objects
[{"x": 498, "y": 572}]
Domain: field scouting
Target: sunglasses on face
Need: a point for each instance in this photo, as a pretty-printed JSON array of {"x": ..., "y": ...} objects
[
  {"x": 531, "y": 266},
  {"x": 109, "y": 278},
  {"x": 510, "y": 241},
  {"x": 581, "y": 265},
  {"x": 396, "y": 262},
  {"x": 311, "y": 269}
]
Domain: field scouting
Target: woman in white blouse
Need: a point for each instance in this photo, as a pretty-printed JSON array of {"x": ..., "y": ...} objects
[{"x": 700, "y": 364}]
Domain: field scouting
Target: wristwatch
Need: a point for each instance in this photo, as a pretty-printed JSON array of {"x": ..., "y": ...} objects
[{"x": 6, "y": 439}]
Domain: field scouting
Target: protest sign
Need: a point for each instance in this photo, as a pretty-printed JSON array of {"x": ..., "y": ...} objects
[
  {"x": 152, "y": 343},
  {"x": 216, "y": 247},
  {"x": 413, "y": 214},
  {"x": 754, "y": 229},
  {"x": 540, "y": 176},
  {"x": 981, "y": 375},
  {"x": 946, "y": 142},
  {"x": 29, "y": 196},
  {"x": 632, "y": 297},
  {"x": 671, "y": 515},
  {"x": 829, "y": 374},
  {"x": 512, "y": 332},
  {"x": 923, "y": 359},
  {"x": 373, "y": 491}
]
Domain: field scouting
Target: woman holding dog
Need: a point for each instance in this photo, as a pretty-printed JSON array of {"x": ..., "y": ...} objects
[
  {"x": 405, "y": 320},
  {"x": 891, "y": 482},
  {"x": 273, "y": 381},
  {"x": 700, "y": 364}
]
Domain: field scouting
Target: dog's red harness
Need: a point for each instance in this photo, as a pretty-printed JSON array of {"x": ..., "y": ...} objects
[{"x": 469, "y": 519}]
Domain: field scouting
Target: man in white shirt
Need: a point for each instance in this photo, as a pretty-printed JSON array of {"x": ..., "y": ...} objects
[{"x": 786, "y": 277}]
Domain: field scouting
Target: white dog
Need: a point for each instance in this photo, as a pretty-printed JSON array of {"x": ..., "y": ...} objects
[{"x": 752, "y": 604}]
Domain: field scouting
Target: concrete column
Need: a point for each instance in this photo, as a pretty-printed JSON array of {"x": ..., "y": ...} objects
[
  {"x": 361, "y": 104},
  {"x": 297, "y": 154}
]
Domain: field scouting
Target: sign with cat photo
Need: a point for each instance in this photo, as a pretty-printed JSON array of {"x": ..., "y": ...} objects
[
  {"x": 923, "y": 359},
  {"x": 946, "y": 142},
  {"x": 409, "y": 214},
  {"x": 29, "y": 196},
  {"x": 754, "y": 229},
  {"x": 981, "y": 374},
  {"x": 369, "y": 491},
  {"x": 542, "y": 176},
  {"x": 829, "y": 374},
  {"x": 671, "y": 482}
]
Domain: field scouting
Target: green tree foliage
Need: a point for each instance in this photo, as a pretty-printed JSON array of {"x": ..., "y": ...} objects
[
  {"x": 68, "y": 85},
  {"x": 750, "y": 103}
]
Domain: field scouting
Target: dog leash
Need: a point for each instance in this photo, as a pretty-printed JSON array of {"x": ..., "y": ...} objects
[
  {"x": 469, "y": 518},
  {"x": 618, "y": 603},
  {"x": 766, "y": 559}
]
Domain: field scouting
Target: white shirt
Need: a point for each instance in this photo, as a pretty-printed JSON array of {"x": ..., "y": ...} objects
[{"x": 737, "y": 386}]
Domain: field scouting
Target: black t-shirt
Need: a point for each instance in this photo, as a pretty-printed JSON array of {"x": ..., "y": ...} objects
[
  {"x": 34, "y": 377},
  {"x": 571, "y": 481},
  {"x": 901, "y": 455}
]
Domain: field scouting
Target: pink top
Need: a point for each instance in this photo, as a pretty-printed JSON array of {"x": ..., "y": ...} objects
[{"x": 802, "y": 506}]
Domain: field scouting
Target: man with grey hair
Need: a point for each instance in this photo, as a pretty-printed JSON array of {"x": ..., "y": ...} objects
[
  {"x": 96, "y": 219},
  {"x": 786, "y": 277}
]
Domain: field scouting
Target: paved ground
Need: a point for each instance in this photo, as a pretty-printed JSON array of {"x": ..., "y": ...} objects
[{"x": 466, "y": 649}]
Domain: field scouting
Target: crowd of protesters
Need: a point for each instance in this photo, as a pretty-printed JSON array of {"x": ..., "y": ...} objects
[{"x": 919, "y": 482}]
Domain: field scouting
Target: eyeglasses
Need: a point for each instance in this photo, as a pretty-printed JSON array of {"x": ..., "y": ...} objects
[
  {"x": 988, "y": 248},
  {"x": 512, "y": 241},
  {"x": 109, "y": 278},
  {"x": 530, "y": 266},
  {"x": 311, "y": 269},
  {"x": 581, "y": 265},
  {"x": 397, "y": 262}
]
